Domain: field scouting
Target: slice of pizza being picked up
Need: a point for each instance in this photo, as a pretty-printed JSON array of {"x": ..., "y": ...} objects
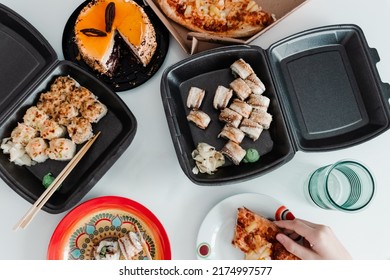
[{"x": 256, "y": 237}]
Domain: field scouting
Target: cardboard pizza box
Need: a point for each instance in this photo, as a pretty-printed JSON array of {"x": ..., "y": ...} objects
[{"x": 193, "y": 42}]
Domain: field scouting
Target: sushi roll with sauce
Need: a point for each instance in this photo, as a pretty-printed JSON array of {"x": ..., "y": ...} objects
[
  {"x": 35, "y": 117},
  {"x": 222, "y": 97},
  {"x": 255, "y": 84},
  {"x": 199, "y": 118},
  {"x": 251, "y": 128},
  {"x": 261, "y": 117},
  {"x": 234, "y": 152},
  {"x": 36, "y": 149},
  {"x": 240, "y": 88},
  {"x": 195, "y": 97},
  {"x": 80, "y": 130},
  {"x": 231, "y": 117},
  {"x": 61, "y": 149},
  {"x": 51, "y": 130},
  {"x": 241, "y": 107},
  {"x": 23, "y": 133},
  {"x": 93, "y": 110},
  {"x": 232, "y": 133},
  {"x": 260, "y": 102},
  {"x": 241, "y": 69}
]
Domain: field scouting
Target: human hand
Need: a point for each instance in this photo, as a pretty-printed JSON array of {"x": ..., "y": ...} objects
[{"x": 319, "y": 241}]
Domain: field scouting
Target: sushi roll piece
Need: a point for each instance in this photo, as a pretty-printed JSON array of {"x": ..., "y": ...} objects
[
  {"x": 255, "y": 84},
  {"x": 231, "y": 117},
  {"x": 23, "y": 133},
  {"x": 261, "y": 117},
  {"x": 107, "y": 249},
  {"x": 66, "y": 112},
  {"x": 240, "y": 88},
  {"x": 241, "y": 69},
  {"x": 241, "y": 107},
  {"x": 195, "y": 97},
  {"x": 199, "y": 118},
  {"x": 234, "y": 152},
  {"x": 130, "y": 245},
  {"x": 93, "y": 110},
  {"x": 61, "y": 149},
  {"x": 51, "y": 129},
  {"x": 80, "y": 130},
  {"x": 251, "y": 128},
  {"x": 260, "y": 102},
  {"x": 232, "y": 133},
  {"x": 80, "y": 95},
  {"x": 49, "y": 102},
  {"x": 63, "y": 84},
  {"x": 36, "y": 149},
  {"x": 222, "y": 97},
  {"x": 35, "y": 117}
]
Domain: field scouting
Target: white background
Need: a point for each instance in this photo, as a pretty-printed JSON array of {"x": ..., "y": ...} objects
[{"x": 149, "y": 172}]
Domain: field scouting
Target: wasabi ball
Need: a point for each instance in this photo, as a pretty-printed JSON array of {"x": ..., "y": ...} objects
[{"x": 252, "y": 155}]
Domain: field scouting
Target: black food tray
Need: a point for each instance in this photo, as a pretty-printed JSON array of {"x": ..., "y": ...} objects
[
  {"x": 23, "y": 83},
  {"x": 325, "y": 94}
]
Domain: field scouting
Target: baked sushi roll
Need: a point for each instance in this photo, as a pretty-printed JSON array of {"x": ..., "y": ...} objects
[
  {"x": 23, "y": 133},
  {"x": 222, "y": 97},
  {"x": 80, "y": 95},
  {"x": 61, "y": 149},
  {"x": 241, "y": 107},
  {"x": 51, "y": 129},
  {"x": 50, "y": 101},
  {"x": 34, "y": 117},
  {"x": 93, "y": 110},
  {"x": 231, "y": 117},
  {"x": 195, "y": 97},
  {"x": 130, "y": 245},
  {"x": 65, "y": 112},
  {"x": 255, "y": 84},
  {"x": 241, "y": 69},
  {"x": 257, "y": 101},
  {"x": 199, "y": 118},
  {"x": 232, "y": 133},
  {"x": 234, "y": 152},
  {"x": 251, "y": 128},
  {"x": 63, "y": 84},
  {"x": 240, "y": 88},
  {"x": 36, "y": 149},
  {"x": 261, "y": 117},
  {"x": 79, "y": 130}
]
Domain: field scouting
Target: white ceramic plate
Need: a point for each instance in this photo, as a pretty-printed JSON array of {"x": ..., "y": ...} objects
[{"x": 215, "y": 235}]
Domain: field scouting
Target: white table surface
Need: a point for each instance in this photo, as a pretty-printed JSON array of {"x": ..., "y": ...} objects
[{"x": 149, "y": 172}]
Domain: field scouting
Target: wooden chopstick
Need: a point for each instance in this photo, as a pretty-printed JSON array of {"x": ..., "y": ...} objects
[
  {"x": 28, "y": 217},
  {"x": 144, "y": 245}
]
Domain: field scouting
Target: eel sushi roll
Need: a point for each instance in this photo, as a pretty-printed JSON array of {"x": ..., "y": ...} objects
[
  {"x": 241, "y": 69},
  {"x": 234, "y": 152},
  {"x": 251, "y": 128},
  {"x": 222, "y": 97},
  {"x": 231, "y": 117},
  {"x": 240, "y": 88},
  {"x": 195, "y": 97},
  {"x": 258, "y": 101},
  {"x": 199, "y": 118},
  {"x": 241, "y": 107},
  {"x": 232, "y": 133},
  {"x": 255, "y": 84},
  {"x": 261, "y": 117}
]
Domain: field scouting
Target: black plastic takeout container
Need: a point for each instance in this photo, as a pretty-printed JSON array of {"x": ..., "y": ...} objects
[
  {"x": 28, "y": 67},
  {"x": 325, "y": 92}
]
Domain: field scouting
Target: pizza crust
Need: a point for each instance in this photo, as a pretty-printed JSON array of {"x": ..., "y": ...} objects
[{"x": 227, "y": 18}]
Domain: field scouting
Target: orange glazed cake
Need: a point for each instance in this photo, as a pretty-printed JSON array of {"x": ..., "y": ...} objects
[{"x": 98, "y": 25}]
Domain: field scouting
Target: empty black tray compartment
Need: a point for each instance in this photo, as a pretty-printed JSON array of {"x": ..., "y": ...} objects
[
  {"x": 329, "y": 87},
  {"x": 325, "y": 94},
  {"x": 30, "y": 68}
]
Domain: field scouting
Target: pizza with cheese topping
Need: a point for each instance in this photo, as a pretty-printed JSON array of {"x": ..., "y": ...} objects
[
  {"x": 256, "y": 237},
  {"x": 229, "y": 18}
]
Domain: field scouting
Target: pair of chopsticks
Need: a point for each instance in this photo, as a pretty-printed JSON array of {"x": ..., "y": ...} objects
[
  {"x": 28, "y": 217},
  {"x": 144, "y": 245}
]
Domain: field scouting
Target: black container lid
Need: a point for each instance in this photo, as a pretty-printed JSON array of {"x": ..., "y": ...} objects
[{"x": 24, "y": 56}]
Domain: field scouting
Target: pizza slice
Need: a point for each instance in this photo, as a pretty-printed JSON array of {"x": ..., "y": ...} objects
[
  {"x": 228, "y": 18},
  {"x": 256, "y": 237}
]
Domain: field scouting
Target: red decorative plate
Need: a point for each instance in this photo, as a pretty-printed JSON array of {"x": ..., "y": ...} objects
[{"x": 106, "y": 217}]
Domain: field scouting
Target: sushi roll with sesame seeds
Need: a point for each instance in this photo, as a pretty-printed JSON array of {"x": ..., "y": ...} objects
[
  {"x": 61, "y": 149},
  {"x": 36, "y": 149}
]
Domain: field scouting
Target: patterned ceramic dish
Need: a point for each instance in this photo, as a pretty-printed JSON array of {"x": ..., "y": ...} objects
[{"x": 103, "y": 218}]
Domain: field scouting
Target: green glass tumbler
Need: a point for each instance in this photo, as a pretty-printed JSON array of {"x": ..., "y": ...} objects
[{"x": 346, "y": 185}]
